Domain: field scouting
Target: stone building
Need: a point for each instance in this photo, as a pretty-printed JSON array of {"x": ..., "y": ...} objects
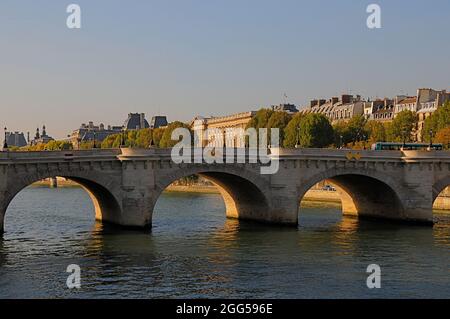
[
  {"x": 424, "y": 104},
  {"x": 405, "y": 103},
  {"x": 91, "y": 132},
  {"x": 379, "y": 110},
  {"x": 15, "y": 139},
  {"x": 337, "y": 109},
  {"x": 428, "y": 101},
  {"x": 222, "y": 125},
  {"x": 41, "y": 138},
  {"x": 87, "y": 133}
]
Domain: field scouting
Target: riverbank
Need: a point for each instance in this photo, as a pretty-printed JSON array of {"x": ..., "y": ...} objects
[{"x": 312, "y": 195}]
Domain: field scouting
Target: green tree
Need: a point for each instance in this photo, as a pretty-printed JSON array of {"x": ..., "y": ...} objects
[
  {"x": 58, "y": 146},
  {"x": 356, "y": 129},
  {"x": 376, "y": 131},
  {"x": 157, "y": 136},
  {"x": 291, "y": 131},
  {"x": 278, "y": 120},
  {"x": 144, "y": 138},
  {"x": 166, "y": 140},
  {"x": 261, "y": 119},
  {"x": 315, "y": 131},
  {"x": 341, "y": 136},
  {"x": 402, "y": 127},
  {"x": 439, "y": 120}
]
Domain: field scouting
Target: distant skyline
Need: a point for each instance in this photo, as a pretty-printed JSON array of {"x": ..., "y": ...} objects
[{"x": 194, "y": 57}]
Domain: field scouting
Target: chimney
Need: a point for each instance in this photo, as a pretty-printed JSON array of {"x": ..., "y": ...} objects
[
  {"x": 322, "y": 102},
  {"x": 142, "y": 120},
  {"x": 345, "y": 98},
  {"x": 313, "y": 103},
  {"x": 334, "y": 100}
]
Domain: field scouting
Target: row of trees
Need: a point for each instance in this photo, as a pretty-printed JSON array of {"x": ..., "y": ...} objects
[
  {"x": 303, "y": 130},
  {"x": 159, "y": 137},
  {"x": 315, "y": 130}
]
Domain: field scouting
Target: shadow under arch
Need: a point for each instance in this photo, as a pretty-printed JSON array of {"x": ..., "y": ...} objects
[
  {"x": 107, "y": 208},
  {"x": 362, "y": 195},
  {"x": 243, "y": 195}
]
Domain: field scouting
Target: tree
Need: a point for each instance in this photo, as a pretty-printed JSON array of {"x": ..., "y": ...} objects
[
  {"x": 144, "y": 138},
  {"x": 291, "y": 131},
  {"x": 376, "y": 131},
  {"x": 402, "y": 127},
  {"x": 58, "y": 146},
  {"x": 280, "y": 120},
  {"x": 261, "y": 119},
  {"x": 166, "y": 140},
  {"x": 315, "y": 131},
  {"x": 443, "y": 136},
  {"x": 157, "y": 136},
  {"x": 341, "y": 136},
  {"x": 356, "y": 129},
  {"x": 437, "y": 121}
]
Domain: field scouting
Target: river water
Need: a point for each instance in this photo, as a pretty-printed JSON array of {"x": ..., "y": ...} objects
[{"x": 193, "y": 251}]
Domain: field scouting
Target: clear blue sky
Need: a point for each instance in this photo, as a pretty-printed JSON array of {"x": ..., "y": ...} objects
[{"x": 208, "y": 57}]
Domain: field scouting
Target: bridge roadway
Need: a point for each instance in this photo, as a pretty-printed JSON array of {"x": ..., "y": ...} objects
[{"x": 124, "y": 184}]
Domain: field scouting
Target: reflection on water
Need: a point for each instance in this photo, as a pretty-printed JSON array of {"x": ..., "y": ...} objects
[{"x": 194, "y": 251}]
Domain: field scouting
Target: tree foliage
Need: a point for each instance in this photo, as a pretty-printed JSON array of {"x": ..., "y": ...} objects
[
  {"x": 291, "y": 131},
  {"x": 166, "y": 139},
  {"x": 402, "y": 127},
  {"x": 315, "y": 131},
  {"x": 437, "y": 121},
  {"x": 443, "y": 136},
  {"x": 278, "y": 120}
]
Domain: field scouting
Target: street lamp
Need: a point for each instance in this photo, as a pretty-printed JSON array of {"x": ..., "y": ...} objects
[
  {"x": 5, "y": 144},
  {"x": 297, "y": 144},
  {"x": 94, "y": 139},
  {"x": 404, "y": 138},
  {"x": 431, "y": 139},
  {"x": 340, "y": 141}
]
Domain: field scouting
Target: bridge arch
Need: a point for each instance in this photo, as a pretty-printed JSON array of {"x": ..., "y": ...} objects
[
  {"x": 106, "y": 205},
  {"x": 439, "y": 186},
  {"x": 245, "y": 193},
  {"x": 365, "y": 194}
]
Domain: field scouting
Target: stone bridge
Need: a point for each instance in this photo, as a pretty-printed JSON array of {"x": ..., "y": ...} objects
[{"x": 125, "y": 184}]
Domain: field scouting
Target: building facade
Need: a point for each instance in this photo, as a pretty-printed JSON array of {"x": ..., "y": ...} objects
[
  {"x": 41, "y": 138},
  {"x": 220, "y": 131},
  {"x": 337, "y": 109},
  {"x": 15, "y": 139}
]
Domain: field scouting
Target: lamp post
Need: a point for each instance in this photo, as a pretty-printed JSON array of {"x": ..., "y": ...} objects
[
  {"x": 5, "y": 144},
  {"x": 340, "y": 141},
  {"x": 431, "y": 139},
  {"x": 297, "y": 144},
  {"x": 94, "y": 140},
  {"x": 404, "y": 138}
]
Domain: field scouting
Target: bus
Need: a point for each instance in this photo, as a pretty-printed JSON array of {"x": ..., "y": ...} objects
[{"x": 386, "y": 146}]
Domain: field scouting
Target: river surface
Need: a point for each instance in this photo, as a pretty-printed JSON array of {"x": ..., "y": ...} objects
[{"x": 193, "y": 251}]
